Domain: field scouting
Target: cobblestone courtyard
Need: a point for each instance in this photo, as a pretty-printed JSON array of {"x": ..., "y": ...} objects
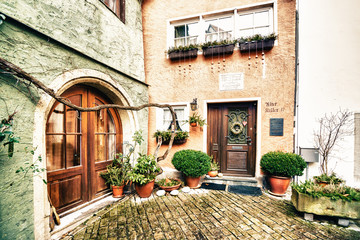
[{"x": 205, "y": 214}]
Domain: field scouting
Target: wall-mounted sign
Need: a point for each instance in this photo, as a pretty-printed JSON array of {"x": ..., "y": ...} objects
[
  {"x": 276, "y": 127},
  {"x": 231, "y": 81}
]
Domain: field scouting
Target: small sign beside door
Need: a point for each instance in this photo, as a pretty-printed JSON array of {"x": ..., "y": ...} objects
[{"x": 276, "y": 127}]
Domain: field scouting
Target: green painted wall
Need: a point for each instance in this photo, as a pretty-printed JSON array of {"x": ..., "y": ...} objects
[{"x": 45, "y": 59}]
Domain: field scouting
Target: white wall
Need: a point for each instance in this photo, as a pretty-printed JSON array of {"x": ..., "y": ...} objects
[{"x": 329, "y": 71}]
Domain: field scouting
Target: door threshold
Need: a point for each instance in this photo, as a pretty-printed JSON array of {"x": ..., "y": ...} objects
[
  {"x": 76, "y": 216},
  {"x": 234, "y": 180}
]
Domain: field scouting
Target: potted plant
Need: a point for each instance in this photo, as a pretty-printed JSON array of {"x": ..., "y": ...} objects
[
  {"x": 196, "y": 119},
  {"x": 143, "y": 175},
  {"x": 325, "y": 179},
  {"x": 117, "y": 174},
  {"x": 257, "y": 42},
  {"x": 332, "y": 200},
  {"x": 218, "y": 47},
  {"x": 280, "y": 167},
  {"x": 193, "y": 164},
  {"x": 180, "y": 136},
  {"x": 214, "y": 168},
  {"x": 169, "y": 184},
  {"x": 182, "y": 52}
]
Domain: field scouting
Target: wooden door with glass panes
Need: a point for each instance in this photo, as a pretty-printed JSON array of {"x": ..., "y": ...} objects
[
  {"x": 79, "y": 146},
  {"x": 232, "y": 137}
]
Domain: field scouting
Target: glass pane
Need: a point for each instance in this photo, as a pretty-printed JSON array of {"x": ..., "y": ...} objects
[
  {"x": 100, "y": 150},
  {"x": 211, "y": 26},
  {"x": 246, "y": 21},
  {"x": 111, "y": 146},
  {"x": 55, "y": 152},
  {"x": 179, "y": 114},
  {"x": 180, "y": 31},
  {"x": 237, "y": 126},
  {"x": 111, "y": 124},
  {"x": 73, "y": 145},
  {"x": 72, "y": 116},
  {"x": 100, "y": 118},
  {"x": 56, "y": 120},
  {"x": 192, "y": 29},
  {"x": 225, "y": 35},
  {"x": 211, "y": 37},
  {"x": 262, "y": 31},
  {"x": 246, "y": 32},
  {"x": 226, "y": 24},
  {"x": 191, "y": 40},
  {"x": 179, "y": 42},
  {"x": 261, "y": 18}
]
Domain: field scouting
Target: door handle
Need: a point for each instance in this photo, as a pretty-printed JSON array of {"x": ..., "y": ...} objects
[{"x": 248, "y": 140}]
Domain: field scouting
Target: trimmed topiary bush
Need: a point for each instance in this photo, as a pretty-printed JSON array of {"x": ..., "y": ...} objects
[
  {"x": 191, "y": 162},
  {"x": 282, "y": 164}
]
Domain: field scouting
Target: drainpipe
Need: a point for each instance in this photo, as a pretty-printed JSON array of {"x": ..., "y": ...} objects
[{"x": 296, "y": 97}]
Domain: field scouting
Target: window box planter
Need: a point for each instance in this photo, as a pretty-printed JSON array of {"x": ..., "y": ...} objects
[
  {"x": 192, "y": 53},
  {"x": 176, "y": 142},
  {"x": 325, "y": 206},
  {"x": 259, "y": 45},
  {"x": 218, "y": 50},
  {"x": 180, "y": 137}
]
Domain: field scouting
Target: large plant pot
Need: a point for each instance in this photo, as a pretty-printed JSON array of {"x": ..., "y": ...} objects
[
  {"x": 325, "y": 206},
  {"x": 218, "y": 50},
  {"x": 192, "y": 182},
  {"x": 192, "y": 53},
  {"x": 118, "y": 191},
  {"x": 144, "y": 191},
  {"x": 279, "y": 185}
]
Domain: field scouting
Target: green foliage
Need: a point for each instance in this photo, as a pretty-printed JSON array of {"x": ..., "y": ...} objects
[
  {"x": 183, "y": 48},
  {"x": 166, "y": 135},
  {"x": 168, "y": 182},
  {"x": 145, "y": 170},
  {"x": 282, "y": 164},
  {"x": 196, "y": 118},
  {"x": 258, "y": 37},
  {"x": 117, "y": 173},
  {"x": 34, "y": 167},
  {"x": 332, "y": 179},
  {"x": 214, "y": 165},
  {"x": 332, "y": 191},
  {"x": 191, "y": 162},
  {"x": 7, "y": 135},
  {"x": 218, "y": 43}
]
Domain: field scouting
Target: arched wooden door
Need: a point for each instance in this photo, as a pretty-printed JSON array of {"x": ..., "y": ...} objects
[{"x": 79, "y": 146}]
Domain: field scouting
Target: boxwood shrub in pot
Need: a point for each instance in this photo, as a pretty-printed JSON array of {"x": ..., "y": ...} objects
[
  {"x": 280, "y": 167},
  {"x": 193, "y": 164}
]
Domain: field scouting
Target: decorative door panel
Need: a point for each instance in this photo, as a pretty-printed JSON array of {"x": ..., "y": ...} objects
[
  {"x": 234, "y": 124},
  {"x": 79, "y": 146}
]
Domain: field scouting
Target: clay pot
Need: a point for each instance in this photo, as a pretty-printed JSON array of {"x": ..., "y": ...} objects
[
  {"x": 322, "y": 183},
  {"x": 213, "y": 173},
  {"x": 192, "y": 182},
  {"x": 144, "y": 191},
  {"x": 193, "y": 124},
  {"x": 279, "y": 185},
  {"x": 170, "y": 188},
  {"x": 118, "y": 191}
]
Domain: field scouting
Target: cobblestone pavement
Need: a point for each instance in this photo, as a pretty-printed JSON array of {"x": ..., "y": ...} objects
[{"x": 204, "y": 214}]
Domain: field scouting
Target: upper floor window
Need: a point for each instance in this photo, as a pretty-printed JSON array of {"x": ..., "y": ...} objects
[
  {"x": 164, "y": 118},
  {"x": 256, "y": 22},
  {"x": 222, "y": 25},
  {"x": 219, "y": 29},
  {"x": 117, "y": 6},
  {"x": 186, "y": 34}
]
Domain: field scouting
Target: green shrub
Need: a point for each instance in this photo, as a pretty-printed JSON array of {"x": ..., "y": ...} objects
[
  {"x": 145, "y": 170},
  {"x": 191, "y": 162},
  {"x": 282, "y": 164},
  {"x": 332, "y": 179}
]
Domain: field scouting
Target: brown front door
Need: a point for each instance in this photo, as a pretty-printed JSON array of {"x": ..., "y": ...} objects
[
  {"x": 232, "y": 137},
  {"x": 79, "y": 146}
]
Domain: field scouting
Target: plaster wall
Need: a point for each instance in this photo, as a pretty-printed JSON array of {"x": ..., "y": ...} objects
[
  {"x": 181, "y": 81},
  {"x": 328, "y": 73}
]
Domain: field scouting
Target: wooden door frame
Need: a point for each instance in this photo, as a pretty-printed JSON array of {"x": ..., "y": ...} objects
[{"x": 257, "y": 121}]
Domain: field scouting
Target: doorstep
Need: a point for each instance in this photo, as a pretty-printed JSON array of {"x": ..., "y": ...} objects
[
  {"x": 232, "y": 180},
  {"x": 76, "y": 216}
]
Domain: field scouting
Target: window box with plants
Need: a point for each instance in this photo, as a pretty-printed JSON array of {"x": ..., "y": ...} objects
[
  {"x": 180, "y": 136},
  {"x": 257, "y": 42},
  {"x": 183, "y": 52},
  {"x": 331, "y": 200},
  {"x": 279, "y": 168},
  {"x": 193, "y": 164},
  {"x": 218, "y": 47}
]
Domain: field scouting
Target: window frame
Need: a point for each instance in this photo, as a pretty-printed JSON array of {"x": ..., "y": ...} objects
[
  {"x": 119, "y": 11},
  {"x": 179, "y": 105}
]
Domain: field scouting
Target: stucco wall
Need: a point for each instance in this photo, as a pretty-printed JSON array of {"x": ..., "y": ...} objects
[
  {"x": 332, "y": 82},
  {"x": 169, "y": 82},
  {"x": 47, "y": 59}
]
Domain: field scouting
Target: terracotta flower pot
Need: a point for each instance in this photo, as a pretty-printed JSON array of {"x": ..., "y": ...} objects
[
  {"x": 279, "y": 185},
  {"x": 192, "y": 182},
  {"x": 118, "y": 191},
  {"x": 213, "y": 173},
  {"x": 144, "y": 191},
  {"x": 170, "y": 188},
  {"x": 193, "y": 124}
]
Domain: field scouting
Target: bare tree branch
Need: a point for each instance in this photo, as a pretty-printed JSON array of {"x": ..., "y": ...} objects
[{"x": 8, "y": 67}]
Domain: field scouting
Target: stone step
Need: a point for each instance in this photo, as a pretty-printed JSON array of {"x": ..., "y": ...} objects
[{"x": 231, "y": 180}]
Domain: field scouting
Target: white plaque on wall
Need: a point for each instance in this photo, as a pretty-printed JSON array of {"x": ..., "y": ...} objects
[{"x": 231, "y": 81}]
